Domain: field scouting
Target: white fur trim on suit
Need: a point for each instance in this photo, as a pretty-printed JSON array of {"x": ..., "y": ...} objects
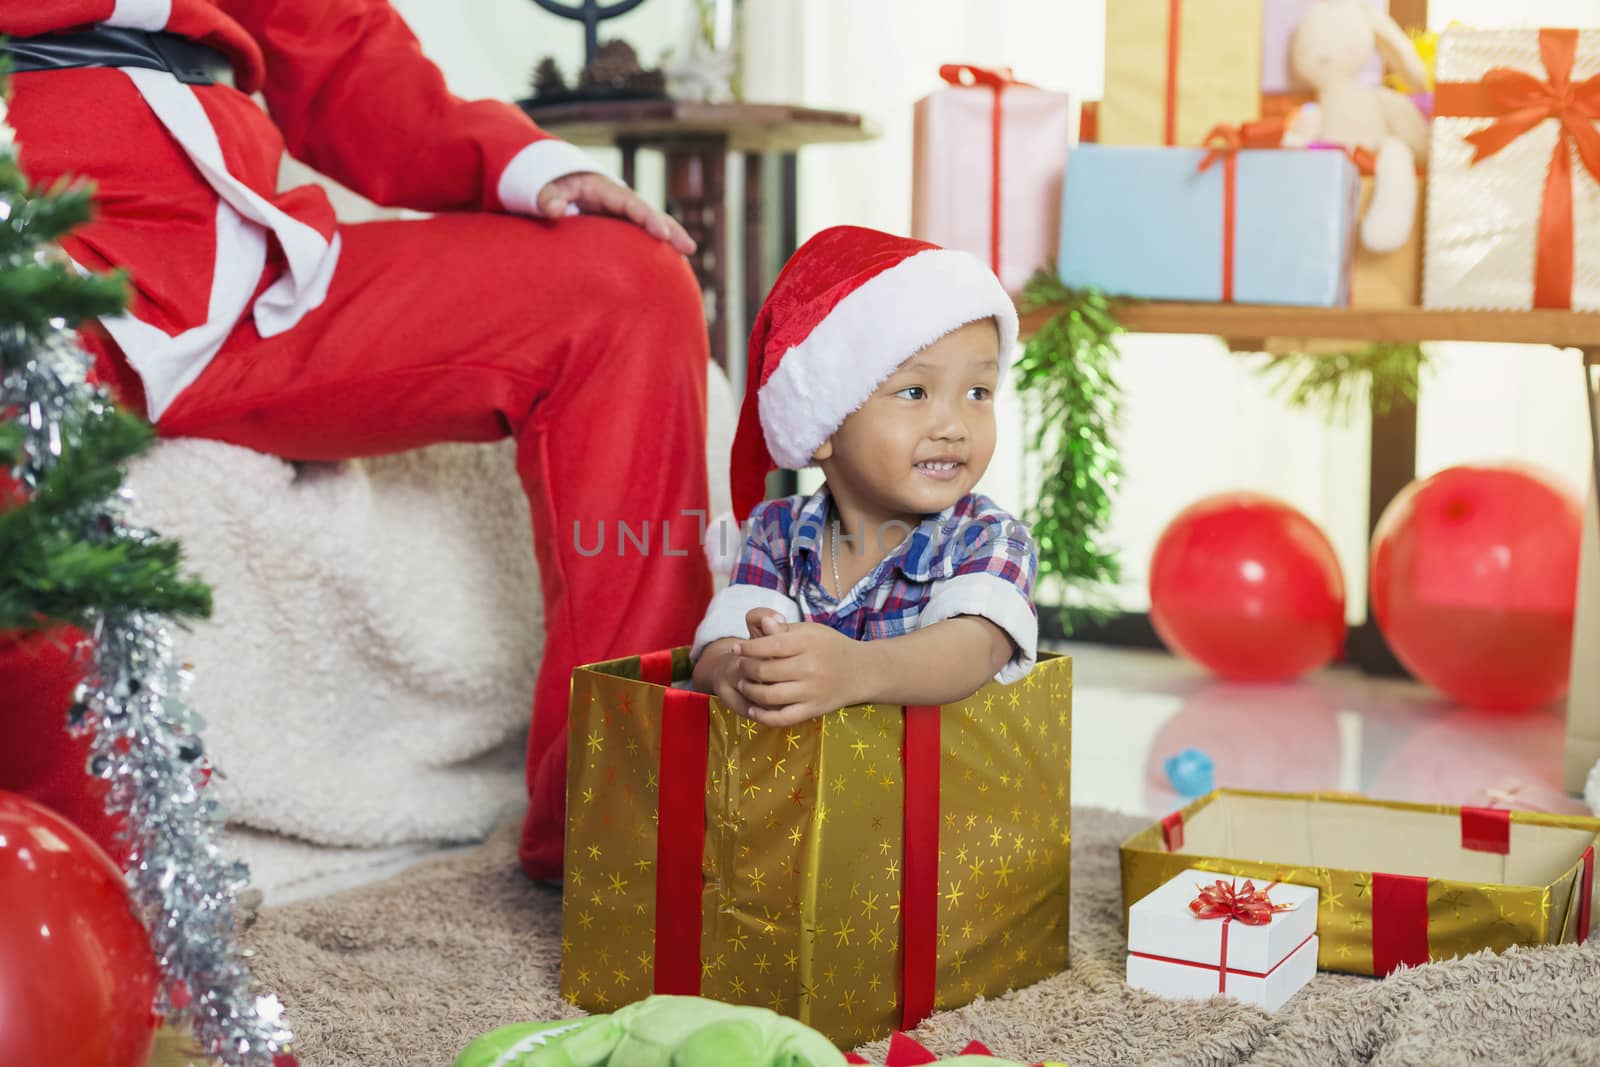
[
  {"x": 725, "y": 616},
  {"x": 536, "y": 166},
  {"x": 724, "y": 540},
  {"x": 167, "y": 364},
  {"x": 140, "y": 14},
  {"x": 868, "y": 334},
  {"x": 997, "y": 600}
]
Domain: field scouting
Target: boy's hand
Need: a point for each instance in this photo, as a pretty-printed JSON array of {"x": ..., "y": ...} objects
[
  {"x": 763, "y": 622},
  {"x": 796, "y": 671},
  {"x": 595, "y": 194}
]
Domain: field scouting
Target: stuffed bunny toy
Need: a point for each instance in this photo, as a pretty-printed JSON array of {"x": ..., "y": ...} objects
[{"x": 1331, "y": 45}]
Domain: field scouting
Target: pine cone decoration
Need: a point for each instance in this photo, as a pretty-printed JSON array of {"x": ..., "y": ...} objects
[
  {"x": 547, "y": 78},
  {"x": 614, "y": 63},
  {"x": 648, "y": 83}
]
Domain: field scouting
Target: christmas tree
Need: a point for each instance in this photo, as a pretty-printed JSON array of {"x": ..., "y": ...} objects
[{"x": 68, "y": 554}]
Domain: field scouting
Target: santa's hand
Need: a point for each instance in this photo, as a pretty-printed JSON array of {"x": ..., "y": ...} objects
[{"x": 595, "y": 194}]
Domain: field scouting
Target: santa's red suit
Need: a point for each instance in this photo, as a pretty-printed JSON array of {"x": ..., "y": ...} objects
[{"x": 260, "y": 320}]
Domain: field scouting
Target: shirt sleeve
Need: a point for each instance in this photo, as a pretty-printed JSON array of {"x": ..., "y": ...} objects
[
  {"x": 997, "y": 562},
  {"x": 348, "y": 85},
  {"x": 759, "y": 580}
]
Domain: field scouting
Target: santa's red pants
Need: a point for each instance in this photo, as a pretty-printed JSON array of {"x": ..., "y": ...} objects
[{"x": 583, "y": 339}]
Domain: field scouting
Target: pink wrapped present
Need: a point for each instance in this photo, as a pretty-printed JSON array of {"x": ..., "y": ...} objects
[
  {"x": 1278, "y": 21},
  {"x": 989, "y": 156}
]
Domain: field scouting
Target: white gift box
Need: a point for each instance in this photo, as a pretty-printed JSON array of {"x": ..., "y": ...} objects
[
  {"x": 1482, "y": 233},
  {"x": 1174, "y": 953}
]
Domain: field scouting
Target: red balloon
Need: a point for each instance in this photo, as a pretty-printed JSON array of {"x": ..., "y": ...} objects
[
  {"x": 1248, "y": 587},
  {"x": 1474, "y": 583},
  {"x": 77, "y": 977}
]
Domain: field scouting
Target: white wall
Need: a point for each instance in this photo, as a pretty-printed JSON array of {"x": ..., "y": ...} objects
[{"x": 1197, "y": 420}]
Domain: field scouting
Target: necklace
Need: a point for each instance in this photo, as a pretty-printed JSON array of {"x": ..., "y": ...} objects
[{"x": 833, "y": 556}]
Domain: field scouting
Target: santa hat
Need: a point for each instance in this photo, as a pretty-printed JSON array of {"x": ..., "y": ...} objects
[{"x": 850, "y": 306}]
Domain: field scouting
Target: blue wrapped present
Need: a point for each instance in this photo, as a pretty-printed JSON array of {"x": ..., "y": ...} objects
[{"x": 1149, "y": 222}]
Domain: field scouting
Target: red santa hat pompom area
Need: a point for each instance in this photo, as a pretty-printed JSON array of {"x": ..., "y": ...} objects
[{"x": 850, "y": 306}]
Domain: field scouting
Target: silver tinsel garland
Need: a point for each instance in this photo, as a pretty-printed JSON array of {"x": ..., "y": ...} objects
[{"x": 145, "y": 745}]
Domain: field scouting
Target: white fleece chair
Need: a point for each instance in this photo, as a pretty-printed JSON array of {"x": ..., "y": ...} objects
[{"x": 367, "y": 674}]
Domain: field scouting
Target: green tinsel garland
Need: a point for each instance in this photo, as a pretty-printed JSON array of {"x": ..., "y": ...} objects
[
  {"x": 1388, "y": 373},
  {"x": 1066, "y": 376},
  {"x": 1067, "y": 381}
]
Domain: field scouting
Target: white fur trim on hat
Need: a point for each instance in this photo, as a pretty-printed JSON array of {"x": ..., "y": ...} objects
[{"x": 823, "y": 379}]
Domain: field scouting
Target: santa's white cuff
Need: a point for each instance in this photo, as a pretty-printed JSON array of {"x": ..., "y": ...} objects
[
  {"x": 535, "y": 167},
  {"x": 995, "y": 599},
  {"x": 725, "y": 616}
]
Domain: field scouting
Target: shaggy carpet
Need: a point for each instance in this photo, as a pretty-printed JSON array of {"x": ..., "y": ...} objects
[{"x": 407, "y": 971}]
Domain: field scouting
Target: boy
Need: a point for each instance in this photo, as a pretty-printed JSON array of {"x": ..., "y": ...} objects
[{"x": 876, "y": 357}]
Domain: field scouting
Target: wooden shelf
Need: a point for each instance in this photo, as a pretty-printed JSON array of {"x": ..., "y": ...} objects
[
  {"x": 1250, "y": 325},
  {"x": 746, "y": 127}
]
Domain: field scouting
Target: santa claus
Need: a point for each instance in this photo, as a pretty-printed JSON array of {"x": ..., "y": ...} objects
[{"x": 541, "y": 301}]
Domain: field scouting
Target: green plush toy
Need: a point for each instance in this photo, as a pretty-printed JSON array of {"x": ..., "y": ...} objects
[
  {"x": 674, "y": 1032},
  {"x": 658, "y": 1032}
]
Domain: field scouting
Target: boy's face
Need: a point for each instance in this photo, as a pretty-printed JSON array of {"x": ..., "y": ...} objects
[{"x": 926, "y": 435}]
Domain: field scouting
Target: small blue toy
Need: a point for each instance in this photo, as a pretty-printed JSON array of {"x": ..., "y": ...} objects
[{"x": 1191, "y": 773}]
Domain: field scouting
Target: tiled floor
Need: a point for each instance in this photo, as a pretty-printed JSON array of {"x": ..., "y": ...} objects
[{"x": 1335, "y": 730}]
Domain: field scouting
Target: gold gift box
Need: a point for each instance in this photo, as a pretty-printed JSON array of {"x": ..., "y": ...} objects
[
  {"x": 1399, "y": 883},
  {"x": 804, "y": 855},
  {"x": 1212, "y": 64}
]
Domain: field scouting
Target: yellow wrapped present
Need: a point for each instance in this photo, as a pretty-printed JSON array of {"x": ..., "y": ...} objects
[
  {"x": 1175, "y": 69},
  {"x": 856, "y": 872},
  {"x": 1399, "y": 884}
]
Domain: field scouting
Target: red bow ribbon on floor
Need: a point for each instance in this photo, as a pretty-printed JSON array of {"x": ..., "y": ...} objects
[
  {"x": 908, "y": 1052},
  {"x": 1519, "y": 101},
  {"x": 1225, "y": 142},
  {"x": 997, "y": 80}
]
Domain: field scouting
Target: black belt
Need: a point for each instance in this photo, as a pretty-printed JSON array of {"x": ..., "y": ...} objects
[{"x": 109, "y": 46}]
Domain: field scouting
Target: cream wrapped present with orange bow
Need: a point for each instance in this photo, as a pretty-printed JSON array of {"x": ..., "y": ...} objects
[{"x": 1513, "y": 218}]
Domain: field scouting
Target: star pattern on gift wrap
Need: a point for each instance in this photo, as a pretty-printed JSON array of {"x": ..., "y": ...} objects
[{"x": 984, "y": 843}]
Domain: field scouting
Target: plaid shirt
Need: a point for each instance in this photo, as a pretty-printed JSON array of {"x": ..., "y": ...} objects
[{"x": 971, "y": 559}]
